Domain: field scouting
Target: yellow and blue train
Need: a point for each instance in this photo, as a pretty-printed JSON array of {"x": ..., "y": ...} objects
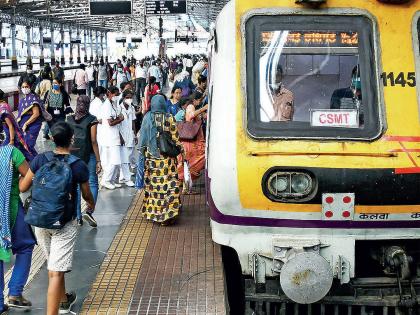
[{"x": 313, "y": 157}]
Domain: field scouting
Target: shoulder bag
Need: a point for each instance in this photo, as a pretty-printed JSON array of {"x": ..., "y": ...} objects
[
  {"x": 188, "y": 130},
  {"x": 166, "y": 145}
]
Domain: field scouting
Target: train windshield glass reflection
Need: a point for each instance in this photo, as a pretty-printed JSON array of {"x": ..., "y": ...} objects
[{"x": 311, "y": 77}]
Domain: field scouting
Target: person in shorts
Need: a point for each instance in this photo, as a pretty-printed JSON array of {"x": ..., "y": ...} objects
[{"x": 58, "y": 244}]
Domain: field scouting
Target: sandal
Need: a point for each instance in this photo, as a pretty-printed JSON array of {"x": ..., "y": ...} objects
[
  {"x": 18, "y": 302},
  {"x": 168, "y": 222}
]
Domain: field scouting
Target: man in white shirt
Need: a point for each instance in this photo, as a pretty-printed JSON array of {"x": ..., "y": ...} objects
[
  {"x": 189, "y": 65},
  {"x": 81, "y": 80},
  {"x": 111, "y": 118},
  {"x": 154, "y": 71},
  {"x": 141, "y": 80},
  {"x": 90, "y": 71},
  {"x": 127, "y": 130}
]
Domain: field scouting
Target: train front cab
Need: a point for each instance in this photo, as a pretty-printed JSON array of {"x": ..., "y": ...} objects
[{"x": 313, "y": 153}]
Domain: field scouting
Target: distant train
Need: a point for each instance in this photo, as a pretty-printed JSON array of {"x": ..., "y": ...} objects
[{"x": 313, "y": 157}]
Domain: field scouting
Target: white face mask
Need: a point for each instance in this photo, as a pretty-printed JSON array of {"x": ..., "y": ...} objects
[
  {"x": 115, "y": 99},
  {"x": 128, "y": 101},
  {"x": 26, "y": 91}
]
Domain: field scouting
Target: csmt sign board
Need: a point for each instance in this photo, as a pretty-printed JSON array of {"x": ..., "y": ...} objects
[
  {"x": 110, "y": 7},
  {"x": 166, "y": 7}
]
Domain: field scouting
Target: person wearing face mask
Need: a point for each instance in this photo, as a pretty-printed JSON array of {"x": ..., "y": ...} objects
[
  {"x": 29, "y": 117},
  {"x": 28, "y": 77},
  {"x": 57, "y": 103},
  {"x": 111, "y": 118},
  {"x": 127, "y": 130},
  {"x": 120, "y": 76}
]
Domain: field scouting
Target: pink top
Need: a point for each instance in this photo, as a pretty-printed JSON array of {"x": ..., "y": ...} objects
[{"x": 81, "y": 79}]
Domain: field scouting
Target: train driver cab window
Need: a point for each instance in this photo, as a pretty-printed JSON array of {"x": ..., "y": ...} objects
[{"x": 315, "y": 77}]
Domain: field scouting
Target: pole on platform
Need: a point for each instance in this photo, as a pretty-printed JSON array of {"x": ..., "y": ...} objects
[
  {"x": 52, "y": 48},
  {"x": 63, "y": 60},
  {"x": 71, "y": 47},
  {"x": 41, "y": 46},
  {"x": 15, "y": 65},
  {"x": 97, "y": 46},
  {"x": 106, "y": 46},
  {"x": 86, "y": 46},
  {"x": 1, "y": 36},
  {"x": 28, "y": 46},
  {"x": 79, "y": 60},
  {"x": 102, "y": 45},
  {"x": 91, "y": 44}
]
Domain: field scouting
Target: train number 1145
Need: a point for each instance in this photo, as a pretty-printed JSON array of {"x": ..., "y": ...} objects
[{"x": 403, "y": 79}]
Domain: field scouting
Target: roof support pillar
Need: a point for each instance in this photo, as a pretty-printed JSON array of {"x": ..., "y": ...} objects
[
  {"x": 106, "y": 46},
  {"x": 102, "y": 45},
  {"x": 71, "y": 47},
  {"x": 52, "y": 48},
  {"x": 91, "y": 45},
  {"x": 41, "y": 46},
  {"x": 15, "y": 65},
  {"x": 28, "y": 46},
  {"x": 1, "y": 36},
  {"x": 85, "y": 59},
  {"x": 97, "y": 45},
  {"x": 62, "y": 60},
  {"x": 79, "y": 59}
]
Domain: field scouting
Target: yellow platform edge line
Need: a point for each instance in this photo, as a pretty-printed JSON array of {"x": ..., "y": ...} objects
[{"x": 113, "y": 289}]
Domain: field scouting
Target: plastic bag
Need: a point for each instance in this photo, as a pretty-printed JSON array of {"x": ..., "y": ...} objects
[
  {"x": 139, "y": 184},
  {"x": 187, "y": 177}
]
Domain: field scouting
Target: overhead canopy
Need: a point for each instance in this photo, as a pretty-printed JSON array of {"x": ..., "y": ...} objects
[{"x": 76, "y": 13}]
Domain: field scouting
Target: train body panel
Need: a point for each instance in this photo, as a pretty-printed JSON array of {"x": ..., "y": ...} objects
[{"x": 362, "y": 179}]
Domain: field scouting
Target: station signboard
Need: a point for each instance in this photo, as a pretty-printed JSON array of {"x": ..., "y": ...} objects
[
  {"x": 110, "y": 7},
  {"x": 166, "y": 7}
]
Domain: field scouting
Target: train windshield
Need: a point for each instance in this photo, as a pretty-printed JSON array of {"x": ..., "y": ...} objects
[{"x": 312, "y": 80}]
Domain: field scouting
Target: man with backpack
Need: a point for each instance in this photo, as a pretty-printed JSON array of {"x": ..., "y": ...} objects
[{"x": 54, "y": 177}]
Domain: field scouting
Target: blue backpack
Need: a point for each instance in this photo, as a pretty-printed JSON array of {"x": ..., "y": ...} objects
[{"x": 52, "y": 204}]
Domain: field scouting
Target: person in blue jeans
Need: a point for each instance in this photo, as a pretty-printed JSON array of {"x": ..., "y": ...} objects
[
  {"x": 16, "y": 235},
  {"x": 86, "y": 148}
]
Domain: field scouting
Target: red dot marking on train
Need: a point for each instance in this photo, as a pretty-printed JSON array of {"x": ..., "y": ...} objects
[
  {"x": 346, "y": 214},
  {"x": 346, "y": 199},
  {"x": 329, "y": 200},
  {"x": 329, "y": 214}
]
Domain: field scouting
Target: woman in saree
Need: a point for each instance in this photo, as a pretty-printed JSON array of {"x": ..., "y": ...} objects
[
  {"x": 29, "y": 117},
  {"x": 194, "y": 149},
  {"x": 13, "y": 135},
  {"x": 160, "y": 178},
  {"x": 16, "y": 237}
]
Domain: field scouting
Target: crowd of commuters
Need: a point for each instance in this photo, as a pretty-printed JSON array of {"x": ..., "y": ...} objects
[{"x": 123, "y": 127}]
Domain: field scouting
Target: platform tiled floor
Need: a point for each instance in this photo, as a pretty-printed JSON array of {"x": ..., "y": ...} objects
[{"x": 161, "y": 270}]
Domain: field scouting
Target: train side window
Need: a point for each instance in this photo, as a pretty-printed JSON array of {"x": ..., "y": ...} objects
[{"x": 315, "y": 77}]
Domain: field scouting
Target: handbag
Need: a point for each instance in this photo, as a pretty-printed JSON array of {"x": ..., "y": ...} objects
[
  {"x": 188, "y": 130},
  {"x": 166, "y": 145}
]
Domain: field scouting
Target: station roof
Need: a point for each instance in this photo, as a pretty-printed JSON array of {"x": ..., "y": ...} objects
[{"x": 75, "y": 13}]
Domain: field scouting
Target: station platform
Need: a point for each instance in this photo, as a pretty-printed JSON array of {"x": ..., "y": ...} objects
[
  {"x": 129, "y": 265},
  {"x": 154, "y": 269}
]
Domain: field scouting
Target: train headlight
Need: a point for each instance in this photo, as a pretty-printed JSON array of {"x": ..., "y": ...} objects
[
  {"x": 289, "y": 186},
  {"x": 279, "y": 183},
  {"x": 301, "y": 183}
]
